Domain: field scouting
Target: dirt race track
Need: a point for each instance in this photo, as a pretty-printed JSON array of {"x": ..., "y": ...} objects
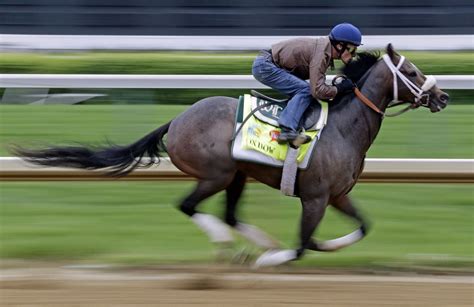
[{"x": 66, "y": 286}]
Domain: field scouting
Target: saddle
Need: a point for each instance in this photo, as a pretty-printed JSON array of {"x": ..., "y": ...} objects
[
  {"x": 256, "y": 133},
  {"x": 255, "y": 136},
  {"x": 313, "y": 118}
]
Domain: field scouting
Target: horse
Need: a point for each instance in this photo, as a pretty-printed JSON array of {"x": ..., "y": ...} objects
[{"x": 198, "y": 143}]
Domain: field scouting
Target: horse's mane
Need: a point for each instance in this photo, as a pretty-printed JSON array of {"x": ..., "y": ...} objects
[{"x": 357, "y": 70}]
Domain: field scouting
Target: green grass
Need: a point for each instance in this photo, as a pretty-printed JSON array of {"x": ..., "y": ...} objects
[
  {"x": 418, "y": 134},
  {"x": 191, "y": 62},
  {"x": 137, "y": 223}
]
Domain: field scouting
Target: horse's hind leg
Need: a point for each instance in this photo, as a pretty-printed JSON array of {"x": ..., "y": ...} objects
[
  {"x": 250, "y": 232},
  {"x": 217, "y": 230},
  {"x": 233, "y": 193}
]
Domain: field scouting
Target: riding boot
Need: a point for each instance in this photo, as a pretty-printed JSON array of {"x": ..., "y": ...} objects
[{"x": 294, "y": 138}]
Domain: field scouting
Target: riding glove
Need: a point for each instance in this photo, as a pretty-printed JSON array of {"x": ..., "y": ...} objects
[{"x": 345, "y": 86}]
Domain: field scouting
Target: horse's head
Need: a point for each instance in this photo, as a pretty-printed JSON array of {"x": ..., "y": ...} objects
[{"x": 411, "y": 85}]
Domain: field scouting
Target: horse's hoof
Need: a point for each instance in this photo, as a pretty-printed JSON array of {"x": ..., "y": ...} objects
[{"x": 275, "y": 257}]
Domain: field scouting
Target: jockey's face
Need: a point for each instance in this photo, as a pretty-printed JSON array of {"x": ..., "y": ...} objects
[{"x": 348, "y": 52}]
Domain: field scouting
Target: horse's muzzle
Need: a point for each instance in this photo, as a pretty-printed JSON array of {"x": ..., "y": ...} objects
[{"x": 439, "y": 102}]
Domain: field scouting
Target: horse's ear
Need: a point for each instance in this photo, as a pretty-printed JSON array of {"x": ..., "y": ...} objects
[{"x": 391, "y": 52}]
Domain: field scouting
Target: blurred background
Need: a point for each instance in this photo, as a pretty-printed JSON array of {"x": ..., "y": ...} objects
[
  {"x": 246, "y": 17},
  {"x": 417, "y": 227}
]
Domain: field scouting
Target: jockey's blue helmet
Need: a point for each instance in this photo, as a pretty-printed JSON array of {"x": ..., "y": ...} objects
[{"x": 346, "y": 33}]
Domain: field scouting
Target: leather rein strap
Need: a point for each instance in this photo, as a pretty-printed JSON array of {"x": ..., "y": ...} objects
[
  {"x": 367, "y": 101},
  {"x": 371, "y": 105}
]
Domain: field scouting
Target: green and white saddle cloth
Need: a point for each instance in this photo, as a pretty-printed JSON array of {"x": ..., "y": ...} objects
[{"x": 256, "y": 140}]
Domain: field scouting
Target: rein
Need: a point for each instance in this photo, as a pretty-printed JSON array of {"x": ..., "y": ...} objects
[
  {"x": 371, "y": 105},
  {"x": 367, "y": 101}
]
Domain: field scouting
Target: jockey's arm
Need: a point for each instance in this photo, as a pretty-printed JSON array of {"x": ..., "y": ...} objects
[
  {"x": 320, "y": 90},
  {"x": 317, "y": 79}
]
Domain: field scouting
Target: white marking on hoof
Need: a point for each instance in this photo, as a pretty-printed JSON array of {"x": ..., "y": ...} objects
[
  {"x": 217, "y": 231},
  {"x": 274, "y": 258},
  {"x": 332, "y": 245}
]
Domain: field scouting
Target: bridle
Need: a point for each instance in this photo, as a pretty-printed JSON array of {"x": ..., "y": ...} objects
[{"x": 421, "y": 95}]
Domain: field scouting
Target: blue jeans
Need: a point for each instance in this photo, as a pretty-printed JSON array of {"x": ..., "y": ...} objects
[{"x": 265, "y": 71}]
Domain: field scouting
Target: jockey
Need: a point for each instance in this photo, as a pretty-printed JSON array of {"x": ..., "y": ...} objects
[{"x": 287, "y": 65}]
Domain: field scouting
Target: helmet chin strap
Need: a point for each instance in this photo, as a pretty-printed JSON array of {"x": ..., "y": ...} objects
[
  {"x": 419, "y": 93},
  {"x": 341, "y": 51}
]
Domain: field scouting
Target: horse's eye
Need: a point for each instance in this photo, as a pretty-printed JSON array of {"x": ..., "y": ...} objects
[{"x": 412, "y": 74}]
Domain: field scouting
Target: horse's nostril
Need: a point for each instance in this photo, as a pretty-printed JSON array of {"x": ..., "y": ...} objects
[{"x": 444, "y": 97}]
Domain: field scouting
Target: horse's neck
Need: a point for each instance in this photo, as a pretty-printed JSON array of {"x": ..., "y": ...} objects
[{"x": 377, "y": 89}]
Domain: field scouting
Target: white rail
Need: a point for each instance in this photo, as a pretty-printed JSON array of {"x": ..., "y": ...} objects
[
  {"x": 171, "y": 81},
  {"x": 170, "y": 42},
  {"x": 376, "y": 170}
]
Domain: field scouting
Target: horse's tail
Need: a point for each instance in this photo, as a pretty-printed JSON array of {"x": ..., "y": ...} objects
[{"x": 117, "y": 160}]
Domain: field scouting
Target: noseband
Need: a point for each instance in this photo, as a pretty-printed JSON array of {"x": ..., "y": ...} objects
[{"x": 421, "y": 95}]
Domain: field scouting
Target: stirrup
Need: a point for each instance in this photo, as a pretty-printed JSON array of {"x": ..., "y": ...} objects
[
  {"x": 262, "y": 96},
  {"x": 297, "y": 141},
  {"x": 289, "y": 136},
  {"x": 300, "y": 140}
]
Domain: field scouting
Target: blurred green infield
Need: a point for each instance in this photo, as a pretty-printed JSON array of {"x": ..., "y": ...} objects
[
  {"x": 186, "y": 62},
  {"x": 136, "y": 223},
  {"x": 416, "y": 134}
]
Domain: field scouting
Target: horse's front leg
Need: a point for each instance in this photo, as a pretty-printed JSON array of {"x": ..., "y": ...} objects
[
  {"x": 344, "y": 205},
  {"x": 313, "y": 212}
]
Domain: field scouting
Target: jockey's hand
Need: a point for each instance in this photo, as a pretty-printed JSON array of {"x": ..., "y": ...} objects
[{"x": 345, "y": 86}]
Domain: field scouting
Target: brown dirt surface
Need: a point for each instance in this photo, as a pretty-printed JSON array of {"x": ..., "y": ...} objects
[{"x": 66, "y": 286}]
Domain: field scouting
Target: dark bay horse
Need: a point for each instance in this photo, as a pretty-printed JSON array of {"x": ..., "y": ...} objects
[{"x": 198, "y": 143}]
